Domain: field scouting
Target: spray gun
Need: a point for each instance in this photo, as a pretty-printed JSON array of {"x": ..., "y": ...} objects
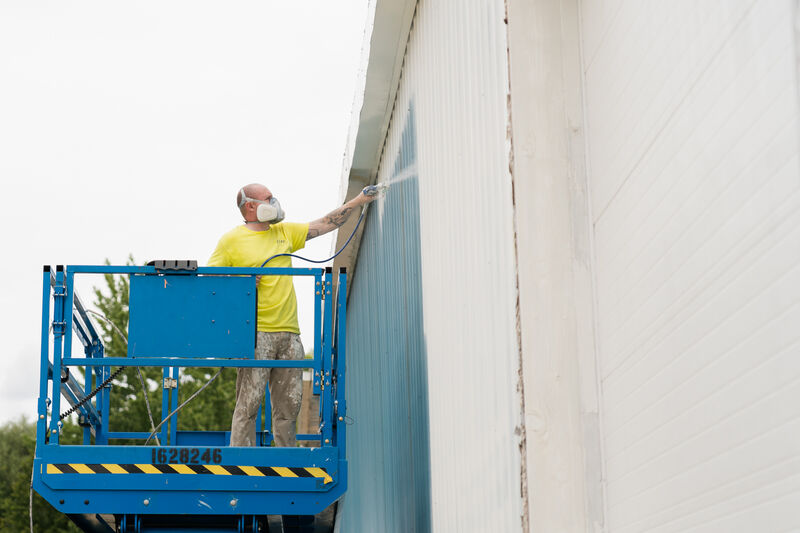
[{"x": 377, "y": 189}]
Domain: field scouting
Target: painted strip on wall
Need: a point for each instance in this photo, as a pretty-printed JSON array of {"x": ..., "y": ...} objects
[{"x": 388, "y": 450}]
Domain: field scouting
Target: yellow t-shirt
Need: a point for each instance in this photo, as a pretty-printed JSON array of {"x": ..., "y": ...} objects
[{"x": 241, "y": 247}]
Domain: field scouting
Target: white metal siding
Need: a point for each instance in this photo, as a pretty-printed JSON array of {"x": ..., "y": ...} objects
[
  {"x": 692, "y": 116},
  {"x": 455, "y": 80}
]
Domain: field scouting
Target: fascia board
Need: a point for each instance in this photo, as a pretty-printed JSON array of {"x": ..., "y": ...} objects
[{"x": 386, "y": 36}]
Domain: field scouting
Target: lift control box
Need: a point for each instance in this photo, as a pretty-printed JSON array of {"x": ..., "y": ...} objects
[{"x": 175, "y": 315}]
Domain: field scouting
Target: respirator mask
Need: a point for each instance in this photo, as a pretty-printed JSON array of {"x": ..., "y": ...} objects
[{"x": 267, "y": 211}]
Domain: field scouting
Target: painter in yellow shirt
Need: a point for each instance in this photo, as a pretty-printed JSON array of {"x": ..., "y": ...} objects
[{"x": 243, "y": 247}]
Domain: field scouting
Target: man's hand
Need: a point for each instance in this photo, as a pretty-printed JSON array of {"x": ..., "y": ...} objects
[{"x": 337, "y": 217}]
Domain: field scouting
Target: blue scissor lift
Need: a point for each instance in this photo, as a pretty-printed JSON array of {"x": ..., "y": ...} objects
[{"x": 182, "y": 316}]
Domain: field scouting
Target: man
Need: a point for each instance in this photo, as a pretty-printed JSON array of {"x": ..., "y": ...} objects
[{"x": 278, "y": 334}]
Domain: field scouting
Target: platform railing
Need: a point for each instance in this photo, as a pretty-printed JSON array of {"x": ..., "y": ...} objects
[{"x": 65, "y": 316}]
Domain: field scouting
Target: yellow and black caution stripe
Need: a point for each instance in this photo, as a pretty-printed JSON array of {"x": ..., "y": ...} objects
[{"x": 219, "y": 470}]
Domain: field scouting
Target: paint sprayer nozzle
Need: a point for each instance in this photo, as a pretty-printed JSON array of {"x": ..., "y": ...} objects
[{"x": 373, "y": 190}]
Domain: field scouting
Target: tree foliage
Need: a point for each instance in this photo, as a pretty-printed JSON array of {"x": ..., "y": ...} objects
[{"x": 17, "y": 442}]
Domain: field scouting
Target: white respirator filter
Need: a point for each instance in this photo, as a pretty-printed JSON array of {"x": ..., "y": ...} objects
[{"x": 270, "y": 212}]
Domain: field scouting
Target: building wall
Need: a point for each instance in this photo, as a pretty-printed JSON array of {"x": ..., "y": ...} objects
[
  {"x": 387, "y": 397},
  {"x": 692, "y": 135},
  {"x": 457, "y": 73},
  {"x": 562, "y": 426},
  {"x": 453, "y": 87},
  {"x": 576, "y": 309}
]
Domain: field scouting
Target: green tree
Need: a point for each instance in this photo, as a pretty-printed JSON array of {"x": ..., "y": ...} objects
[
  {"x": 128, "y": 407},
  {"x": 17, "y": 442}
]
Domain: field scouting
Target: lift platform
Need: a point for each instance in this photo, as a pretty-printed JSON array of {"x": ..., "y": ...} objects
[{"x": 182, "y": 316}]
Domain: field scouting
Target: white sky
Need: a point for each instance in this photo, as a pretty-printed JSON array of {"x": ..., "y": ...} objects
[{"x": 129, "y": 127}]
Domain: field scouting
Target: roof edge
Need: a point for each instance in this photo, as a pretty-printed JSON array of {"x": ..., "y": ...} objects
[{"x": 385, "y": 39}]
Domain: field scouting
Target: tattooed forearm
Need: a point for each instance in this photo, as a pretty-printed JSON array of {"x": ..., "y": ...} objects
[
  {"x": 329, "y": 222},
  {"x": 339, "y": 217}
]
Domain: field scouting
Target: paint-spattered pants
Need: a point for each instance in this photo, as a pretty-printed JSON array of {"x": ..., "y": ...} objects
[{"x": 285, "y": 390}]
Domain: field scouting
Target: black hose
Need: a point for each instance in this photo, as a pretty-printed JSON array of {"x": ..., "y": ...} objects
[{"x": 324, "y": 260}]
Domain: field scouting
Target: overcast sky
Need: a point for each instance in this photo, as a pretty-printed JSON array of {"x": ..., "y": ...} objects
[{"x": 129, "y": 127}]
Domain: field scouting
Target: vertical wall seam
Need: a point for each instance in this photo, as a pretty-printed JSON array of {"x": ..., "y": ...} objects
[
  {"x": 521, "y": 429},
  {"x": 593, "y": 274}
]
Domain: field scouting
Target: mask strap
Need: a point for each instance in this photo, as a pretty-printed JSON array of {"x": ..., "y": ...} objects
[{"x": 243, "y": 198}]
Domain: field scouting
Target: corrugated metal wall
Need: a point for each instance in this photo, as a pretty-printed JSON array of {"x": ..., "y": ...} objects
[
  {"x": 692, "y": 112},
  {"x": 455, "y": 73},
  {"x": 387, "y": 375},
  {"x": 456, "y": 62}
]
